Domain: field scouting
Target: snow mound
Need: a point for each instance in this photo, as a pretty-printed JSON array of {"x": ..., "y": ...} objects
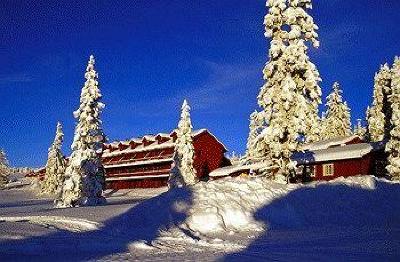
[
  {"x": 233, "y": 205},
  {"x": 230, "y": 204},
  {"x": 64, "y": 223}
]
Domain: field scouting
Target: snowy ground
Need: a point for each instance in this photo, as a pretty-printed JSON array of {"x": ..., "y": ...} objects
[{"x": 229, "y": 219}]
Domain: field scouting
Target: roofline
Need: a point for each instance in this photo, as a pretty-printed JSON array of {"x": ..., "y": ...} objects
[{"x": 195, "y": 133}]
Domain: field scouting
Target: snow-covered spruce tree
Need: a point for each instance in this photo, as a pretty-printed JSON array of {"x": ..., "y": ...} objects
[
  {"x": 291, "y": 94},
  {"x": 55, "y": 166},
  {"x": 4, "y": 168},
  {"x": 379, "y": 114},
  {"x": 85, "y": 175},
  {"x": 393, "y": 146},
  {"x": 183, "y": 172},
  {"x": 337, "y": 121},
  {"x": 359, "y": 130},
  {"x": 255, "y": 126}
]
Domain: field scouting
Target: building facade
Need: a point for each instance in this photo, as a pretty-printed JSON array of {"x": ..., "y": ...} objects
[{"x": 146, "y": 162}]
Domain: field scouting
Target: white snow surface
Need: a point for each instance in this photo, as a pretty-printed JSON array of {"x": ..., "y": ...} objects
[
  {"x": 334, "y": 153},
  {"x": 233, "y": 219},
  {"x": 325, "y": 144},
  {"x": 229, "y": 170},
  {"x": 65, "y": 223}
]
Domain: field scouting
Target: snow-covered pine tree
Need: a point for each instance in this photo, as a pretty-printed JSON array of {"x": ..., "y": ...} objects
[
  {"x": 359, "y": 130},
  {"x": 337, "y": 121},
  {"x": 183, "y": 172},
  {"x": 4, "y": 168},
  {"x": 379, "y": 114},
  {"x": 254, "y": 127},
  {"x": 55, "y": 166},
  {"x": 291, "y": 94},
  {"x": 85, "y": 175},
  {"x": 393, "y": 146}
]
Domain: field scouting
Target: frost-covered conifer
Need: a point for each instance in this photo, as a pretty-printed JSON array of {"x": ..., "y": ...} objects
[
  {"x": 291, "y": 93},
  {"x": 4, "y": 169},
  {"x": 85, "y": 175},
  {"x": 393, "y": 146},
  {"x": 254, "y": 127},
  {"x": 183, "y": 172},
  {"x": 55, "y": 166},
  {"x": 359, "y": 130},
  {"x": 337, "y": 121},
  {"x": 379, "y": 114}
]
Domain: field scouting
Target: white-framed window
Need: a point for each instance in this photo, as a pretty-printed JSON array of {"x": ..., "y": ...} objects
[{"x": 328, "y": 169}]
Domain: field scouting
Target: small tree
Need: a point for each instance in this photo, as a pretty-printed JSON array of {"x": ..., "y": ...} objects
[
  {"x": 379, "y": 114},
  {"x": 4, "y": 169},
  {"x": 85, "y": 175},
  {"x": 359, "y": 130},
  {"x": 393, "y": 146},
  {"x": 255, "y": 127},
  {"x": 55, "y": 166},
  {"x": 337, "y": 121},
  {"x": 183, "y": 172}
]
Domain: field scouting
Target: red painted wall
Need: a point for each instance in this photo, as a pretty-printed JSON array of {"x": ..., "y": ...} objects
[
  {"x": 345, "y": 168},
  {"x": 209, "y": 155}
]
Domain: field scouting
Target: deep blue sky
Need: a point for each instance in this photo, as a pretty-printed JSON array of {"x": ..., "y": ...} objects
[{"x": 152, "y": 54}]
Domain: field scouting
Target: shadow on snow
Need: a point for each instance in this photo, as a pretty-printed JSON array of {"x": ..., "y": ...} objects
[
  {"x": 329, "y": 223},
  {"x": 142, "y": 222}
]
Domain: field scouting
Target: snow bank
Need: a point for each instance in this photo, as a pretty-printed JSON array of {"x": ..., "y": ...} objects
[
  {"x": 230, "y": 204},
  {"x": 64, "y": 223},
  {"x": 236, "y": 204}
]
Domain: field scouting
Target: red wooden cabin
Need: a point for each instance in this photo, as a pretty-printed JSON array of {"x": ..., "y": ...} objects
[
  {"x": 340, "y": 157},
  {"x": 146, "y": 162},
  {"x": 327, "y": 160}
]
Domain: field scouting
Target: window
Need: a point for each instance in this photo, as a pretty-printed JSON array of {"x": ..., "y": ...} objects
[{"x": 328, "y": 170}]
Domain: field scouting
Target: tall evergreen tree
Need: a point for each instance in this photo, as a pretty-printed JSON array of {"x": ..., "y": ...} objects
[
  {"x": 393, "y": 146},
  {"x": 4, "y": 169},
  {"x": 291, "y": 93},
  {"x": 85, "y": 175},
  {"x": 379, "y": 114},
  {"x": 337, "y": 121},
  {"x": 55, "y": 166},
  {"x": 183, "y": 172}
]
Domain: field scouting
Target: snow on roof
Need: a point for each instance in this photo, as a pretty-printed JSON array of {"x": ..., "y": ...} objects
[
  {"x": 134, "y": 177},
  {"x": 140, "y": 148},
  {"x": 139, "y": 163},
  {"x": 149, "y": 137},
  {"x": 167, "y": 144},
  {"x": 334, "y": 153},
  {"x": 325, "y": 144},
  {"x": 162, "y": 135},
  {"x": 226, "y": 171}
]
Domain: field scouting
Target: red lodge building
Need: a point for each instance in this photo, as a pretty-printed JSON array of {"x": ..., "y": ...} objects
[{"x": 146, "y": 162}]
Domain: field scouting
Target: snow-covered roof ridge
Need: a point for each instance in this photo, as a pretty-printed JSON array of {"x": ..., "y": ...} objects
[
  {"x": 352, "y": 151},
  {"x": 141, "y": 148},
  {"x": 325, "y": 144},
  {"x": 139, "y": 140},
  {"x": 139, "y": 163},
  {"x": 229, "y": 170}
]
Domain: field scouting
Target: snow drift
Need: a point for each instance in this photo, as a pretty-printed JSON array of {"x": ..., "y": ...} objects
[
  {"x": 64, "y": 223},
  {"x": 235, "y": 205}
]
